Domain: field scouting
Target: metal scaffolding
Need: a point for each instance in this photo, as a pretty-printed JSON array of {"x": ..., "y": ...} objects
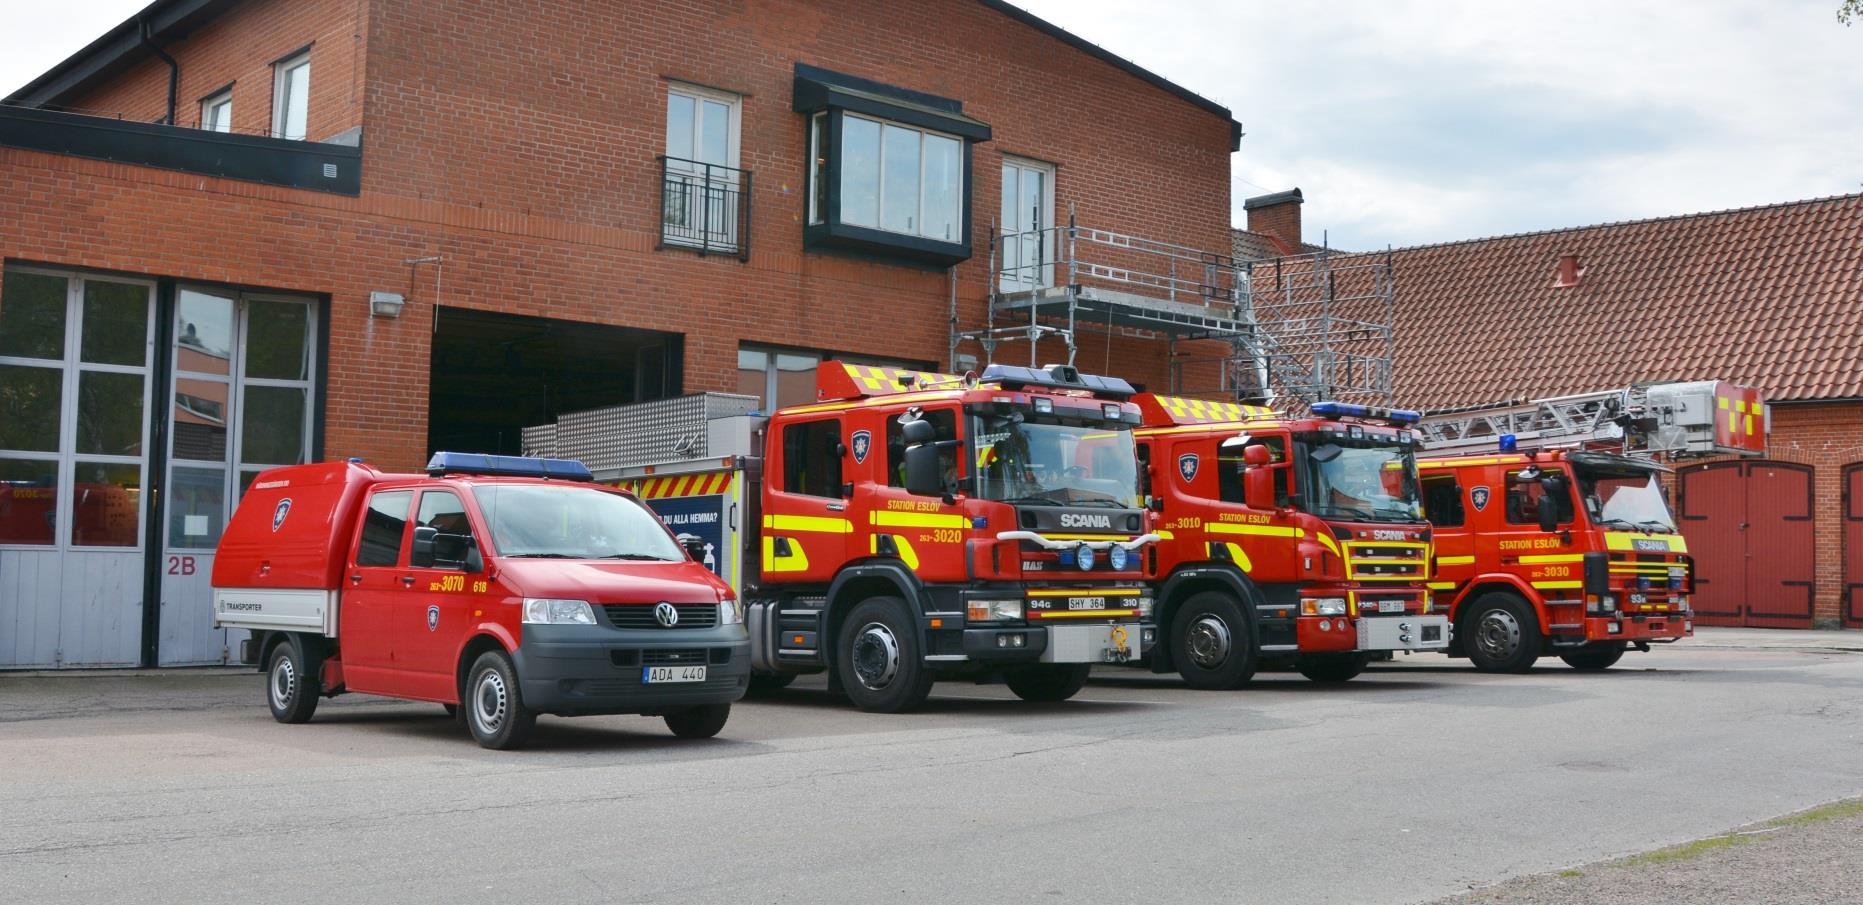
[{"x": 1299, "y": 329}]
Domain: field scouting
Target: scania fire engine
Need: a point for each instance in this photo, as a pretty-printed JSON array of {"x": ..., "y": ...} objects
[
  {"x": 1285, "y": 539},
  {"x": 906, "y": 526},
  {"x": 1553, "y": 529}
]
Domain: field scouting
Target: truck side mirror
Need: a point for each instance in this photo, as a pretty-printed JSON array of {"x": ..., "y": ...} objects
[
  {"x": 694, "y": 544},
  {"x": 422, "y": 555},
  {"x": 1257, "y": 480},
  {"x": 1549, "y": 514},
  {"x": 924, "y": 474},
  {"x": 917, "y": 431},
  {"x": 1257, "y": 456}
]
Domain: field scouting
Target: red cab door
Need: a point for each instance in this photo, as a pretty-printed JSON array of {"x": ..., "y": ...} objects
[
  {"x": 432, "y": 615},
  {"x": 377, "y": 574},
  {"x": 806, "y": 527}
]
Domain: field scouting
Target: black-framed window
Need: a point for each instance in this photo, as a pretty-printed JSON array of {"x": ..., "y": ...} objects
[
  {"x": 812, "y": 458},
  {"x": 889, "y": 168}
]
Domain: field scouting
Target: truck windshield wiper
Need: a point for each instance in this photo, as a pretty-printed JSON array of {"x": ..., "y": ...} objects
[
  {"x": 645, "y": 557},
  {"x": 541, "y": 556},
  {"x": 1616, "y": 521},
  {"x": 1353, "y": 510},
  {"x": 1400, "y": 514},
  {"x": 1653, "y": 525},
  {"x": 1030, "y": 499}
]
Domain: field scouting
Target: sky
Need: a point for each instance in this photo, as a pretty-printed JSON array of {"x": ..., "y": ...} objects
[{"x": 1406, "y": 122}]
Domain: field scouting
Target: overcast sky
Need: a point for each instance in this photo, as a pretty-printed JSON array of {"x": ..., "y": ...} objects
[{"x": 1432, "y": 120}]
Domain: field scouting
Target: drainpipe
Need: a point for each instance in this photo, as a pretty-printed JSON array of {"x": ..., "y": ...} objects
[{"x": 174, "y": 68}]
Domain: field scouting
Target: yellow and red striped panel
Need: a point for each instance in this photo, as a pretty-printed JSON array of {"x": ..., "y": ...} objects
[
  {"x": 1178, "y": 410},
  {"x": 683, "y": 485},
  {"x": 840, "y": 380}
]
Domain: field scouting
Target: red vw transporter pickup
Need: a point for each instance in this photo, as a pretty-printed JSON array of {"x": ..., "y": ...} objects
[{"x": 500, "y": 587}]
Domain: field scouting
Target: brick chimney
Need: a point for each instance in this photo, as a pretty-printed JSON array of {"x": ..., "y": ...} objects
[{"x": 1276, "y": 215}]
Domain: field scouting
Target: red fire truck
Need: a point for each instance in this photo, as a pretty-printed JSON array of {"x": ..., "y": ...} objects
[
  {"x": 906, "y": 527},
  {"x": 1553, "y": 529},
  {"x": 511, "y": 586},
  {"x": 1285, "y": 539}
]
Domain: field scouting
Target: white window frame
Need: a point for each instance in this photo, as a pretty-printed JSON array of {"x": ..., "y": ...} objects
[
  {"x": 963, "y": 186},
  {"x": 213, "y": 102},
  {"x": 281, "y": 100},
  {"x": 699, "y": 182},
  {"x": 699, "y": 95},
  {"x": 1018, "y": 279}
]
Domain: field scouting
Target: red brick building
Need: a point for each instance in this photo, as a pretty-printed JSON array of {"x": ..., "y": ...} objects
[
  {"x": 241, "y": 234},
  {"x": 1770, "y": 297}
]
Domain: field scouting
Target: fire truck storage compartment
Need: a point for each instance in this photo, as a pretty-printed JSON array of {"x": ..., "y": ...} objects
[
  {"x": 1749, "y": 530},
  {"x": 281, "y": 560},
  {"x": 1853, "y": 544}
]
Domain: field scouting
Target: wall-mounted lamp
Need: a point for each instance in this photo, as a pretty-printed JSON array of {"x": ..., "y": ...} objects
[{"x": 386, "y": 304}]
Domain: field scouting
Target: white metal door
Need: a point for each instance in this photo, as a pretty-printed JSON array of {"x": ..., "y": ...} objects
[
  {"x": 1029, "y": 238},
  {"x": 74, "y": 398}
]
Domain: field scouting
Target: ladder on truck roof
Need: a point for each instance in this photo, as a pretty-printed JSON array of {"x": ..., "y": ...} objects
[{"x": 1676, "y": 418}]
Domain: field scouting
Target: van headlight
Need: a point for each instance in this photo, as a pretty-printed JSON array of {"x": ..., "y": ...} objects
[
  {"x": 730, "y": 611},
  {"x": 547, "y": 611}
]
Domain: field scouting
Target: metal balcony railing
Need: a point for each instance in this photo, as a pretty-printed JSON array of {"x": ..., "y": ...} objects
[{"x": 704, "y": 206}]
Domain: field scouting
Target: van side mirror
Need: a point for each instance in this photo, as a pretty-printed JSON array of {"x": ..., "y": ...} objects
[
  {"x": 422, "y": 555},
  {"x": 924, "y": 474}
]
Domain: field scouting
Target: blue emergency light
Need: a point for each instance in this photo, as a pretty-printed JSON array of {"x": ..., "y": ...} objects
[
  {"x": 1060, "y": 377},
  {"x": 1354, "y": 410},
  {"x": 444, "y": 463},
  {"x": 1509, "y": 443}
]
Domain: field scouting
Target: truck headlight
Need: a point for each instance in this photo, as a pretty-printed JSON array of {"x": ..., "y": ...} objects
[
  {"x": 545, "y": 611},
  {"x": 993, "y": 610},
  {"x": 1322, "y": 606},
  {"x": 730, "y": 611},
  {"x": 1144, "y": 607},
  {"x": 1117, "y": 557}
]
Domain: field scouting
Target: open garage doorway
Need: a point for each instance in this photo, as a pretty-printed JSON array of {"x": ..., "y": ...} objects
[{"x": 495, "y": 374}]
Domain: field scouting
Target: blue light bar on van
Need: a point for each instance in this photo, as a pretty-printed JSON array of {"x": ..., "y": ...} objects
[
  {"x": 507, "y": 466},
  {"x": 1060, "y": 377},
  {"x": 1353, "y": 410}
]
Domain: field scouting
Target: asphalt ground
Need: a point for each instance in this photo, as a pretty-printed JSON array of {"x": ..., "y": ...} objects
[{"x": 1420, "y": 780}]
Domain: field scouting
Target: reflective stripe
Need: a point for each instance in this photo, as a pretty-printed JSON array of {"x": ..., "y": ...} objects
[
  {"x": 1263, "y": 530},
  {"x": 1442, "y": 585},
  {"x": 917, "y": 519},
  {"x": 1241, "y": 558},
  {"x": 1547, "y": 585},
  {"x": 1327, "y": 540},
  {"x": 1620, "y": 540},
  {"x": 907, "y": 555},
  {"x": 1080, "y": 614},
  {"x": 813, "y": 523},
  {"x": 1544, "y": 558},
  {"x": 1087, "y": 592},
  {"x": 796, "y": 561},
  {"x": 1455, "y": 560}
]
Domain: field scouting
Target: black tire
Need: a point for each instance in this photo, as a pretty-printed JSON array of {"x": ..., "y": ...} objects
[
  {"x": 1213, "y": 642},
  {"x": 1594, "y": 659},
  {"x": 878, "y": 659},
  {"x": 1501, "y": 633},
  {"x": 291, "y": 684},
  {"x": 764, "y": 684},
  {"x": 703, "y": 721},
  {"x": 494, "y": 704},
  {"x": 1048, "y": 682},
  {"x": 1331, "y": 668}
]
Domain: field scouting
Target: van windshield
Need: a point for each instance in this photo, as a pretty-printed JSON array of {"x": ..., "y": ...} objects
[{"x": 547, "y": 521}]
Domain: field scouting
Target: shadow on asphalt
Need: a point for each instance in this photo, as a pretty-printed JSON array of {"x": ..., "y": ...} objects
[
  {"x": 819, "y": 699},
  {"x": 571, "y": 735},
  {"x": 1289, "y": 684}
]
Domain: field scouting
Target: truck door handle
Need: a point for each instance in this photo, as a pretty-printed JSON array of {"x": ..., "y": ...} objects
[
  {"x": 355, "y": 579},
  {"x": 407, "y": 580}
]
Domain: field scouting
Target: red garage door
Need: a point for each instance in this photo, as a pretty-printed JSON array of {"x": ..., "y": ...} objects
[
  {"x": 1853, "y": 544},
  {"x": 1749, "y": 528}
]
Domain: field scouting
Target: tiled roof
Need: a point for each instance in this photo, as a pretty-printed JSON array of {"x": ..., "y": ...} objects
[
  {"x": 1766, "y": 296},
  {"x": 1253, "y": 246}
]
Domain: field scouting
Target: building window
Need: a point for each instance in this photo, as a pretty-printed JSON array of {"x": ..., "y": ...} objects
[
  {"x": 889, "y": 168},
  {"x": 785, "y": 377},
  {"x": 291, "y": 97},
  {"x": 1028, "y": 234},
  {"x": 217, "y": 112},
  {"x": 702, "y": 188}
]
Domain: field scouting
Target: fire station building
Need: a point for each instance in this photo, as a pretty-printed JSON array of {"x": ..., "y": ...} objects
[
  {"x": 1769, "y": 297},
  {"x": 245, "y": 233}
]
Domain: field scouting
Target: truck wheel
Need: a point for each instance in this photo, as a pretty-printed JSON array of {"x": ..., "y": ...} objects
[
  {"x": 291, "y": 684},
  {"x": 495, "y": 709},
  {"x": 1212, "y": 643},
  {"x": 763, "y": 684},
  {"x": 1503, "y": 634},
  {"x": 1595, "y": 660},
  {"x": 878, "y": 657},
  {"x": 703, "y": 721},
  {"x": 1331, "y": 668},
  {"x": 1047, "y": 682}
]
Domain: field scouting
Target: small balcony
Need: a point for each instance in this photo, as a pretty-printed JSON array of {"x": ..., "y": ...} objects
[{"x": 704, "y": 207}]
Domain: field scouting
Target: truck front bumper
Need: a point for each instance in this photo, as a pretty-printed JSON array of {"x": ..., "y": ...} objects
[
  {"x": 565, "y": 671},
  {"x": 1660, "y": 627},
  {"x": 1367, "y": 634},
  {"x": 1097, "y": 643}
]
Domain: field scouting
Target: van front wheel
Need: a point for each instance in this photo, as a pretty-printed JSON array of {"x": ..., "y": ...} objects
[{"x": 494, "y": 706}]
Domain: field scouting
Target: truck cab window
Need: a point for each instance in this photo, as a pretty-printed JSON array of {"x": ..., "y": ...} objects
[
  {"x": 442, "y": 511},
  {"x": 812, "y": 458},
  {"x": 1442, "y": 501},
  {"x": 944, "y": 421},
  {"x": 383, "y": 528},
  {"x": 1229, "y": 471},
  {"x": 1524, "y": 499}
]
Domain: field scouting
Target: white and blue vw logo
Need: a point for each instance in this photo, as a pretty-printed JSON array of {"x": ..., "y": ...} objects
[
  {"x": 1479, "y": 497},
  {"x": 862, "y": 442},
  {"x": 667, "y": 614},
  {"x": 1187, "y": 466}
]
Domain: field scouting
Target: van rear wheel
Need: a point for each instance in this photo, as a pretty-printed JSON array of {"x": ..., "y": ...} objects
[
  {"x": 494, "y": 705},
  {"x": 291, "y": 684}
]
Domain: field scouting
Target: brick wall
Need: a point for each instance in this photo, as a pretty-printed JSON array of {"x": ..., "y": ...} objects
[
  {"x": 517, "y": 141},
  {"x": 1827, "y": 437},
  {"x": 239, "y": 48}
]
